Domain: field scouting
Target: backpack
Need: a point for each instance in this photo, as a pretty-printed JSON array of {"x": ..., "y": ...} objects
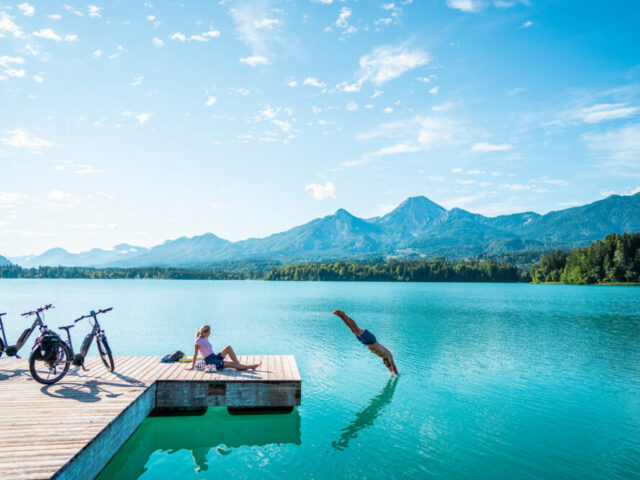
[
  {"x": 176, "y": 356},
  {"x": 47, "y": 350}
]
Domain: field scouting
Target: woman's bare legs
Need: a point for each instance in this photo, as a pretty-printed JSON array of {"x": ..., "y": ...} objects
[
  {"x": 235, "y": 363},
  {"x": 240, "y": 366},
  {"x": 229, "y": 351},
  {"x": 349, "y": 322}
]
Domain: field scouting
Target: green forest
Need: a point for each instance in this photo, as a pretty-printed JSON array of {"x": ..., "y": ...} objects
[
  {"x": 404, "y": 271},
  {"x": 616, "y": 259}
]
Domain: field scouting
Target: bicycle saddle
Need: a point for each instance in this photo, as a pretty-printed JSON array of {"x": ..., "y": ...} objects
[{"x": 66, "y": 327}]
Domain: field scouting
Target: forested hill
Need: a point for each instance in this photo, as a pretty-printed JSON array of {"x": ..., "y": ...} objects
[
  {"x": 4, "y": 261},
  {"x": 614, "y": 260}
]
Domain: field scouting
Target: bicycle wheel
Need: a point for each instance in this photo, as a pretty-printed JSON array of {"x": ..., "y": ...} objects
[
  {"x": 105, "y": 352},
  {"x": 47, "y": 372}
]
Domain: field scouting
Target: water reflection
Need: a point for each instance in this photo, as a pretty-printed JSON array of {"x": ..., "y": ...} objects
[
  {"x": 217, "y": 431},
  {"x": 366, "y": 416}
]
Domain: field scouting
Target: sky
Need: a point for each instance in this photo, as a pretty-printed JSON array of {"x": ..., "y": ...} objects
[{"x": 137, "y": 122}]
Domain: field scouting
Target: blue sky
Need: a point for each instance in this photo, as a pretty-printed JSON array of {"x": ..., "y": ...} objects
[{"x": 142, "y": 121}]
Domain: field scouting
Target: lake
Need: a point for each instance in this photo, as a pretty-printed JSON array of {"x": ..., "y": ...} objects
[{"x": 497, "y": 381}]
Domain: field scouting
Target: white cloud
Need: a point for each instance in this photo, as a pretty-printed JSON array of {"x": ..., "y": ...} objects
[
  {"x": 622, "y": 144},
  {"x": 352, "y": 106},
  {"x": 49, "y": 34},
  {"x": 20, "y": 138},
  {"x": 59, "y": 195},
  {"x": 27, "y": 9},
  {"x": 388, "y": 110},
  {"x": 257, "y": 28},
  {"x": 627, "y": 191},
  {"x": 97, "y": 53},
  {"x": 314, "y": 82},
  {"x": 157, "y": 42},
  {"x": 210, "y": 101},
  {"x": 205, "y": 36},
  {"x": 94, "y": 11},
  {"x": 5, "y": 60},
  {"x": 490, "y": 147},
  {"x": 267, "y": 23},
  {"x": 38, "y": 78},
  {"x": 137, "y": 80},
  {"x": 151, "y": 18},
  {"x": 602, "y": 112},
  {"x": 292, "y": 82},
  {"x": 434, "y": 90},
  {"x": 7, "y": 25},
  {"x": 516, "y": 187},
  {"x": 73, "y": 11},
  {"x": 324, "y": 2},
  {"x": 283, "y": 124},
  {"x": 15, "y": 72},
  {"x": 466, "y": 5},
  {"x": 527, "y": 24},
  {"x": 254, "y": 61},
  {"x": 385, "y": 63},
  {"x": 342, "y": 22},
  {"x": 179, "y": 36},
  {"x": 320, "y": 192},
  {"x": 54, "y": 16},
  {"x": 141, "y": 117}
]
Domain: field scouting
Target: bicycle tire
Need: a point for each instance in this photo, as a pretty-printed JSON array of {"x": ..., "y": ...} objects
[
  {"x": 105, "y": 353},
  {"x": 37, "y": 367}
]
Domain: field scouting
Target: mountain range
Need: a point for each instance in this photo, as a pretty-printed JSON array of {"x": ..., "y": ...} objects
[{"x": 417, "y": 228}]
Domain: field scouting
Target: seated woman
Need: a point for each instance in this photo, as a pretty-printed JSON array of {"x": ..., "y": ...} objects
[{"x": 203, "y": 346}]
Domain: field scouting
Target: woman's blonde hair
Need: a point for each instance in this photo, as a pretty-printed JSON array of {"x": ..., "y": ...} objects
[{"x": 203, "y": 329}]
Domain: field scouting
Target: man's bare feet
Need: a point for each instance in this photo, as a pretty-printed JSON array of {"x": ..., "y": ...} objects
[
  {"x": 253, "y": 367},
  {"x": 339, "y": 313}
]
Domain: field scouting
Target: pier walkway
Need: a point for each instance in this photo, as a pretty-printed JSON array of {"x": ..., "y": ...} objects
[{"x": 70, "y": 430}]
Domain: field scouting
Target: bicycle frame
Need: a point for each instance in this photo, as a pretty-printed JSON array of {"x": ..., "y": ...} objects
[
  {"x": 78, "y": 359},
  {"x": 4, "y": 336},
  {"x": 13, "y": 349}
]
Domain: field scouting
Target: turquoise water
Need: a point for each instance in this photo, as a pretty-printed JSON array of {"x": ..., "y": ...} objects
[{"x": 497, "y": 381}]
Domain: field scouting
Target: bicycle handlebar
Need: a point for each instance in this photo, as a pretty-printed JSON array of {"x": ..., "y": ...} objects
[
  {"x": 93, "y": 314},
  {"x": 37, "y": 310}
]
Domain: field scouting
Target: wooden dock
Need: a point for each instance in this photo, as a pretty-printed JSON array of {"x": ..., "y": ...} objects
[{"x": 70, "y": 430}]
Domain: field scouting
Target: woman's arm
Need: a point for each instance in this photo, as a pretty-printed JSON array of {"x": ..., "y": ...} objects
[{"x": 195, "y": 357}]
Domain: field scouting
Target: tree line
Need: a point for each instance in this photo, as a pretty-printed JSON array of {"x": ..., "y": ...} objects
[
  {"x": 616, "y": 259},
  {"x": 403, "y": 271},
  {"x": 396, "y": 271}
]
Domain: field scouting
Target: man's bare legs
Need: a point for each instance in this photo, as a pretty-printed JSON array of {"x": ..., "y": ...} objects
[
  {"x": 349, "y": 322},
  {"x": 235, "y": 363}
]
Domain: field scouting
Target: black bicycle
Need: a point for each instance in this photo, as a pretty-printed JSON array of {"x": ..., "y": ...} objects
[
  {"x": 50, "y": 356},
  {"x": 101, "y": 341},
  {"x": 12, "y": 350},
  {"x": 44, "y": 370}
]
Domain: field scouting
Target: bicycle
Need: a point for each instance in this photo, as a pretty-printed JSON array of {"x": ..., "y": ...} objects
[
  {"x": 12, "y": 350},
  {"x": 40, "y": 367},
  {"x": 48, "y": 348},
  {"x": 101, "y": 342}
]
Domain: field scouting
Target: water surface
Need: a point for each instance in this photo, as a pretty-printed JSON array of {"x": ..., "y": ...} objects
[{"x": 497, "y": 381}]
